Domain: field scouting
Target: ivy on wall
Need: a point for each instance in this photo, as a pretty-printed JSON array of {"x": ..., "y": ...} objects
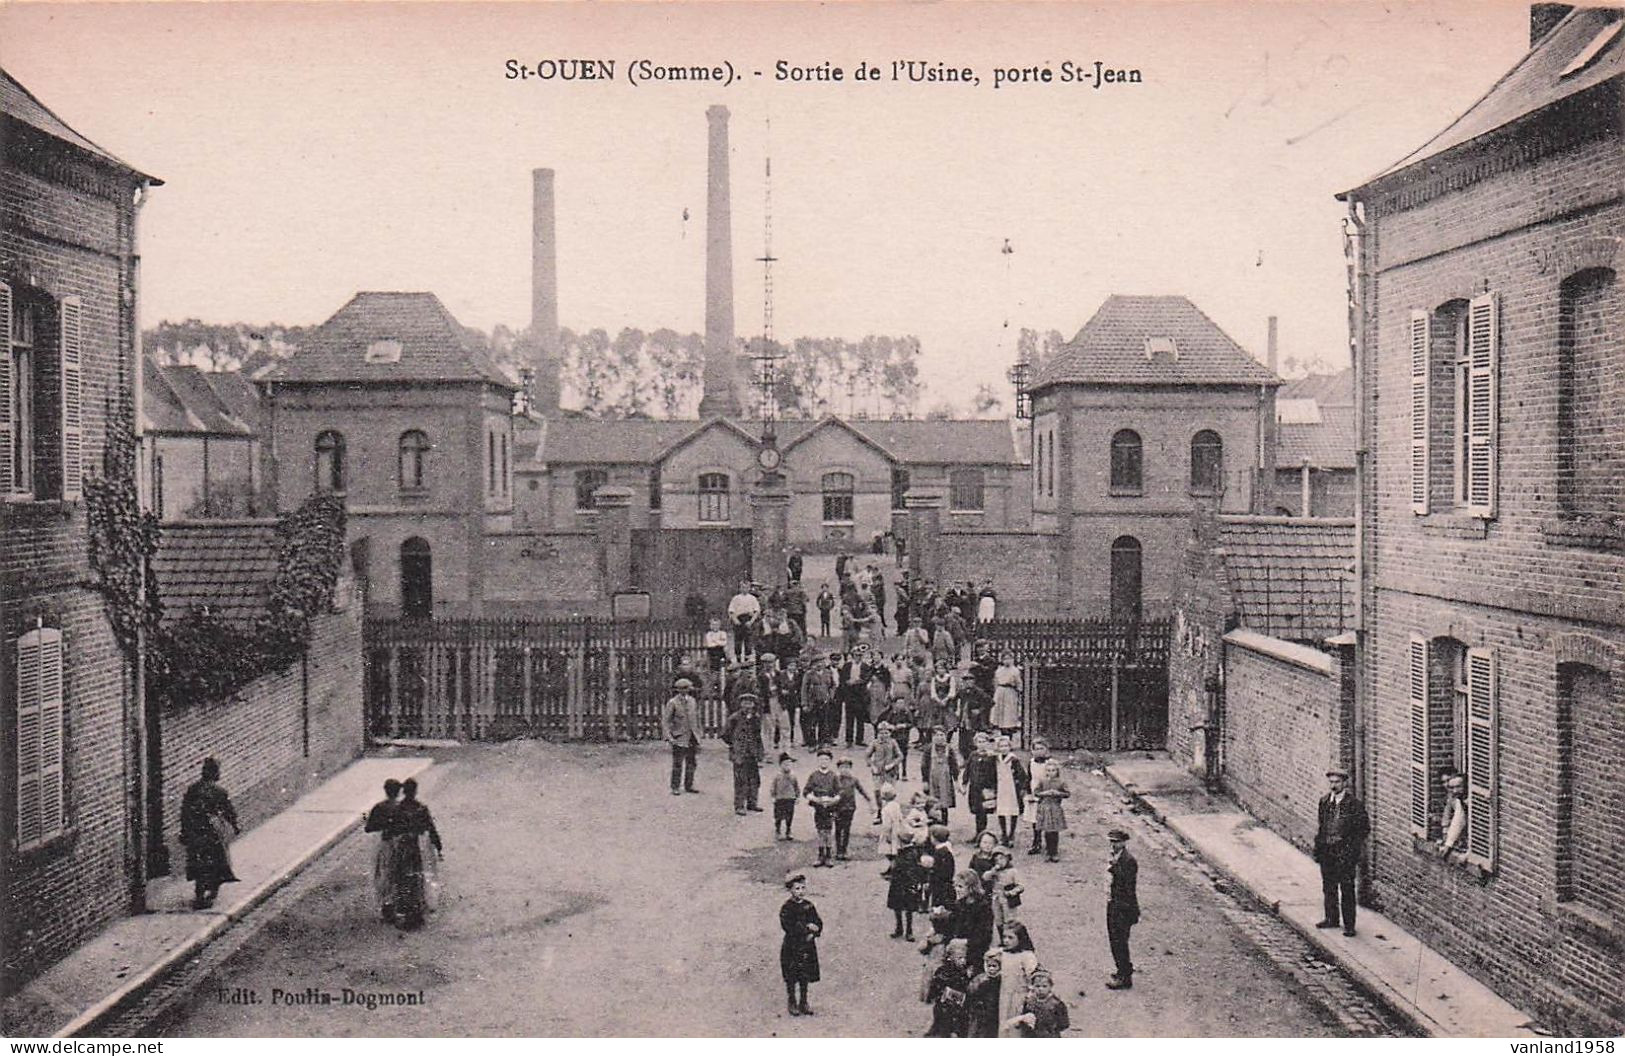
[{"x": 201, "y": 656}]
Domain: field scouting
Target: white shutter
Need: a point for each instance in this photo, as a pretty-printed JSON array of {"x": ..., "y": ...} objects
[
  {"x": 73, "y": 411},
  {"x": 39, "y": 735},
  {"x": 1482, "y": 706},
  {"x": 1420, "y": 369},
  {"x": 1483, "y": 352},
  {"x": 1420, "y": 735},
  {"x": 8, "y": 482}
]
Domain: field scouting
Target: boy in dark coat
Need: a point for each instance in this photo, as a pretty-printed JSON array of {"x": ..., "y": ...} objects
[
  {"x": 785, "y": 793},
  {"x": 982, "y": 1000},
  {"x": 1043, "y": 1015},
  {"x": 798, "y": 953},
  {"x": 947, "y": 992},
  {"x": 848, "y": 789},
  {"x": 941, "y": 883}
]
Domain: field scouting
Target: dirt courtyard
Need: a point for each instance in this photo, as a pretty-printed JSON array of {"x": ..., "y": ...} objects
[{"x": 585, "y": 900}]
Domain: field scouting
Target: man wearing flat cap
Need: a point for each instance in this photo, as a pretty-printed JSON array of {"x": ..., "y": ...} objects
[
  {"x": 1338, "y": 839},
  {"x": 743, "y": 734},
  {"x": 1122, "y": 908},
  {"x": 680, "y": 726}
]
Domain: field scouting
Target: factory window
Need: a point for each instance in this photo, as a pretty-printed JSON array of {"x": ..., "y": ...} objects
[
  {"x": 330, "y": 461},
  {"x": 838, "y": 491},
  {"x": 414, "y": 458},
  {"x": 714, "y": 498},
  {"x": 417, "y": 578},
  {"x": 1127, "y": 468},
  {"x": 588, "y": 481},
  {"x": 1207, "y": 462},
  {"x": 965, "y": 491}
]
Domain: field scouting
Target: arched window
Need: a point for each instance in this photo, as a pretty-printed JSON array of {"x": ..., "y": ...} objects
[
  {"x": 1591, "y": 394},
  {"x": 588, "y": 481},
  {"x": 417, "y": 578},
  {"x": 414, "y": 458},
  {"x": 330, "y": 461},
  {"x": 1127, "y": 470},
  {"x": 965, "y": 490},
  {"x": 1126, "y": 579},
  {"x": 1207, "y": 461},
  {"x": 838, "y": 491},
  {"x": 714, "y": 498}
]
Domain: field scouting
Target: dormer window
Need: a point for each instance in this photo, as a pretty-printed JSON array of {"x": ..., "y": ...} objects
[
  {"x": 384, "y": 350},
  {"x": 1161, "y": 346}
]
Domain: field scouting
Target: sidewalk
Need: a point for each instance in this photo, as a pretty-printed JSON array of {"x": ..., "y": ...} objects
[
  {"x": 1439, "y": 998},
  {"x": 135, "y": 952}
]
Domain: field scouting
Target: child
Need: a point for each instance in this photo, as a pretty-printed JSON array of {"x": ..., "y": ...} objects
[
  {"x": 904, "y": 894},
  {"x": 939, "y": 768},
  {"x": 716, "y": 654},
  {"x": 1049, "y": 791},
  {"x": 1043, "y": 1015},
  {"x": 902, "y": 725},
  {"x": 947, "y": 992},
  {"x": 941, "y": 867},
  {"x": 982, "y": 859},
  {"x": 891, "y": 823},
  {"x": 982, "y": 999},
  {"x": 798, "y": 954},
  {"x": 785, "y": 793},
  {"x": 848, "y": 788},
  {"x": 1029, "y": 811},
  {"x": 823, "y": 791},
  {"x": 885, "y": 761},
  {"x": 1004, "y": 889}
]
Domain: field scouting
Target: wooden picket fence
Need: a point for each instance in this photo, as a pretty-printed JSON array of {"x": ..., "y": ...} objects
[
  {"x": 495, "y": 679},
  {"x": 1093, "y": 684}
]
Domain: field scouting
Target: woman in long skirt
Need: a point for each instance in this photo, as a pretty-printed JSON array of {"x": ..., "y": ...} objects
[
  {"x": 381, "y": 819},
  {"x": 206, "y": 814},
  {"x": 1007, "y": 695},
  {"x": 416, "y": 857}
]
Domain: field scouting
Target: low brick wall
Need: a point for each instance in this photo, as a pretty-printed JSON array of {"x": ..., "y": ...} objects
[
  {"x": 278, "y": 738},
  {"x": 1285, "y": 722},
  {"x": 1022, "y": 566}
]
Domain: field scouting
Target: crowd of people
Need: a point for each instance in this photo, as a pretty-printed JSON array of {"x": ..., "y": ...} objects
[{"x": 944, "y": 700}]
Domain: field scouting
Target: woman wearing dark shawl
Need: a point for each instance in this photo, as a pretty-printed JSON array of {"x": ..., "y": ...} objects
[
  {"x": 381, "y": 819},
  {"x": 206, "y": 811},
  {"x": 416, "y": 856}
]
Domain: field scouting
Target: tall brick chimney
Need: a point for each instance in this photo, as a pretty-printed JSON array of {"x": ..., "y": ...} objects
[
  {"x": 1543, "y": 18},
  {"x": 721, "y": 395},
  {"x": 1273, "y": 355},
  {"x": 544, "y": 294}
]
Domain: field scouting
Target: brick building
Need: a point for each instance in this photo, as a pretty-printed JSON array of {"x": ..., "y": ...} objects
[
  {"x": 68, "y": 269},
  {"x": 392, "y": 404},
  {"x": 201, "y": 434},
  {"x": 1149, "y": 410},
  {"x": 1492, "y": 400}
]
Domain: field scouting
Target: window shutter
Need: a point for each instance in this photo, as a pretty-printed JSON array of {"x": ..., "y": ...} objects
[
  {"x": 73, "y": 412},
  {"x": 8, "y": 483},
  {"x": 1420, "y": 814},
  {"x": 1420, "y": 367},
  {"x": 39, "y": 735},
  {"x": 1483, "y": 351},
  {"x": 1482, "y": 706}
]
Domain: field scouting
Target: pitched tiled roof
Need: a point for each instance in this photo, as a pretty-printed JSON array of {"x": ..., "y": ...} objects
[
  {"x": 163, "y": 410},
  {"x": 19, "y": 103},
  {"x": 1111, "y": 348},
  {"x": 590, "y": 440},
  {"x": 1329, "y": 390},
  {"x": 228, "y": 566},
  {"x": 182, "y": 399},
  {"x": 1536, "y": 82},
  {"x": 1291, "y": 578},
  {"x": 434, "y": 345},
  {"x": 1328, "y": 444}
]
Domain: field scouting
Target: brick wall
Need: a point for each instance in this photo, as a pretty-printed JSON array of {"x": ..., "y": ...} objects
[
  {"x": 1284, "y": 722},
  {"x": 1020, "y": 564},
  {"x": 278, "y": 737},
  {"x": 1203, "y": 610},
  {"x": 1522, "y": 217},
  {"x": 547, "y": 574},
  {"x": 66, "y": 230}
]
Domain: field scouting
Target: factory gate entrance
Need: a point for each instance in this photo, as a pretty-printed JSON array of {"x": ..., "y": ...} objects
[{"x": 690, "y": 573}]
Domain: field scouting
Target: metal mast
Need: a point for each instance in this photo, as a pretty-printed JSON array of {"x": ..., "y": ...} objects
[{"x": 767, "y": 356}]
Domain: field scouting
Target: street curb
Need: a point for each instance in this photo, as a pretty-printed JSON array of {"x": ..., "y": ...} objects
[
  {"x": 143, "y": 981},
  {"x": 1374, "y": 986}
]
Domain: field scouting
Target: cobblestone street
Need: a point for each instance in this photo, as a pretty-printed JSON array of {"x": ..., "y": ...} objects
[{"x": 584, "y": 900}]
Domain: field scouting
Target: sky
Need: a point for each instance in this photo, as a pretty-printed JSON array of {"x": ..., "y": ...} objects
[{"x": 312, "y": 150}]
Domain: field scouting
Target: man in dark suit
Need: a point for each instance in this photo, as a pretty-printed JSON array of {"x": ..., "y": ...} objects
[
  {"x": 854, "y": 693},
  {"x": 1343, "y": 829},
  {"x": 1122, "y": 908}
]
